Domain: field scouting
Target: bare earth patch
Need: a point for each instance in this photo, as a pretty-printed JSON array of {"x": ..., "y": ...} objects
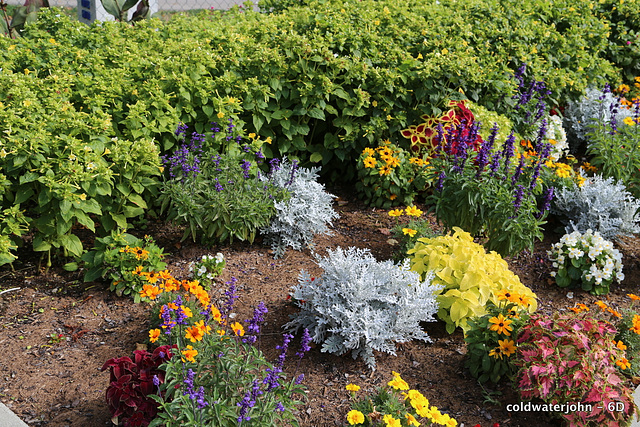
[{"x": 60, "y": 384}]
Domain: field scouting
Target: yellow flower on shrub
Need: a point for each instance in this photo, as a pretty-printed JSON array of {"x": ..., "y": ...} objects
[
  {"x": 623, "y": 363},
  {"x": 154, "y": 334},
  {"x": 384, "y": 170},
  {"x": 189, "y": 354},
  {"x": 355, "y": 417},
  {"x": 238, "y": 329},
  {"x": 396, "y": 212},
  {"x": 507, "y": 347},
  {"x": 501, "y": 324},
  {"x": 369, "y": 151},
  {"x": 370, "y": 162}
]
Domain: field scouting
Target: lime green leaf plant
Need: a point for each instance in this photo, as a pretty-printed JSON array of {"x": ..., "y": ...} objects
[{"x": 470, "y": 277}]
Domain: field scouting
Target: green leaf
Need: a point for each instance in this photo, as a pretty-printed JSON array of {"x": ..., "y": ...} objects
[
  {"x": 316, "y": 157},
  {"x": 70, "y": 266},
  {"x": 112, "y": 7},
  {"x": 72, "y": 243}
]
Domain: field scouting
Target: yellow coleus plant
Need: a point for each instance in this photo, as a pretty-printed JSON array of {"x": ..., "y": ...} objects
[{"x": 469, "y": 275}]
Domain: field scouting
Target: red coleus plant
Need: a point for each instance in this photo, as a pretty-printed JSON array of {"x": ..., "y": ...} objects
[
  {"x": 130, "y": 384},
  {"x": 570, "y": 359},
  {"x": 424, "y": 137}
]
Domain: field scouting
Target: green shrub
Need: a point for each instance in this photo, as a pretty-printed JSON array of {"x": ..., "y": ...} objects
[{"x": 470, "y": 277}]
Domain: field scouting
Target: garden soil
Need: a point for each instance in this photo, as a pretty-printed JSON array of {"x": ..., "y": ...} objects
[{"x": 50, "y": 383}]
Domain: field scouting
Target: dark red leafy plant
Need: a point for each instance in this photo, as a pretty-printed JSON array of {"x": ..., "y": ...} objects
[{"x": 131, "y": 383}]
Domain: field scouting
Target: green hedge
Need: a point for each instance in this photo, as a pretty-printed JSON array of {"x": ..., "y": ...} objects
[{"x": 323, "y": 79}]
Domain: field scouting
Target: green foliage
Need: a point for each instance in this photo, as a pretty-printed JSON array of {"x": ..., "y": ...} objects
[
  {"x": 12, "y": 225},
  {"x": 569, "y": 358},
  {"x": 219, "y": 196},
  {"x": 119, "y": 9},
  {"x": 586, "y": 260},
  {"x": 470, "y": 277},
  {"x": 124, "y": 260},
  {"x": 390, "y": 176},
  {"x": 614, "y": 149},
  {"x": 408, "y": 232},
  {"x": 489, "y": 345}
]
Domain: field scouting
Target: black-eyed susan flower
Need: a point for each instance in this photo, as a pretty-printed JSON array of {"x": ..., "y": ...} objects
[
  {"x": 370, "y": 162},
  {"x": 507, "y": 347},
  {"x": 501, "y": 324}
]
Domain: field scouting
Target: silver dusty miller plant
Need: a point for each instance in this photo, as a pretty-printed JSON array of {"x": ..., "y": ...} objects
[
  {"x": 596, "y": 105},
  {"x": 361, "y": 305},
  {"x": 599, "y": 205},
  {"x": 305, "y": 213}
]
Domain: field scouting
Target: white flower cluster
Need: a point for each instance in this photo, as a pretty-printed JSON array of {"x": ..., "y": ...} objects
[
  {"x": 599, "y": 260},
  {"x": 558, "y": 138},
  {"x": 207, "y": 268}
]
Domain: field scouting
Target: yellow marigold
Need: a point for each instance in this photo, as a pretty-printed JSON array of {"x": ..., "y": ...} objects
[
  {"x": 563, "y": 173},
  {"x": 215, "y": 313},
  {"x": 614, "y": 312},
  {"x": 352, "y": 387},
  {"x": 154, "y": 334},
  {"x": 396, "y": 212},
  {"x": 628, "y": 121},
  {"x": 390, "y": 421},
  {"x": 189, "y": 354},
  {"x": 194, "y": 334},
  {"x": 237, "y": 328},
  {"x": 601, "y": 304},
  {"x": 393, "y": 197},
  {"x": 413, "y": 211},
  {"x": 621, "y": 345},
  {"x": 409, "y": 231},
  {"x": 634, "y": 297},
  {"x": 355, "y": 417},
  {"x": 397, "y": 382},
  {"x": 501, "y": 324},
  {"x": 411, "y": 420},
  {"x": 384, "y": 170}
]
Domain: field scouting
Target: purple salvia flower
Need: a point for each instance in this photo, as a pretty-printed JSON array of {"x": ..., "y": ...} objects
[
  {"x": 167, "y": 320},
  {"x": 304, "y": 343},
  {"x": 518, "y": 171},
  {"x": 548, "y": 197},
  {"x": 199, "y": 398},
  {"x": 188, "y": 382},
  {"x": 274, "y": 165},
  {"x": 299, "y": 379},
  {"x": 279, "y": 407},
  {"x": 246, "y": 165},
  {"x": 286, "y": 339},
  {"x": 518, "y": 198},
  {"x": 541, "y": 134},
  {"x": 271, "y": 380},
  {"x": 231, "y": 295},
  {"x": 508, "y": 151},
  {"x": 253, "y": 324},
  {"x": 294, "y": 168},
  {"x": 440, "y": 183},
  {"x": 613, "y": 122},
  {"x": 248, "y": 401},
  {"x": 215, "y": 128},
  {"x": 483, "y": 155},
  {"x": 218, "y": 187},
  {"x": 182, "y": 129}
]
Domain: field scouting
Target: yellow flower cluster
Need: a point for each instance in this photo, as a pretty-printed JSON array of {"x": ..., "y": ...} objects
[
  {"x": 414, "y": 398},
  {"x": 387, "y": 159},
  {"x": 140, "y": 253},
  {"x": 410, "y": 210}
]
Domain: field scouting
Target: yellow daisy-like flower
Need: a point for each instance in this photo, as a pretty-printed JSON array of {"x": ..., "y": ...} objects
[
  {"x": 369, "y": 151},
  {"x": 507, "y": 347},
  {"x": 563, "y": 173},
  {"x": 384, "y": 170},
  {"x": 496, "y": 352},
  {"x": 523, "y": 300},
  {"x": 413, "y": 211},
  {"x": 393, "y": 161},
  {"x": 501, "y": 325},
  {"x": 154, "y": 334},
  {"x": 628, "y": 121},
  {"x": 238, "y": 329},
  {"x": 370, "y": 162},
  {"x": 621, "y": 345},
  {"x": 396, "y": 212},
  {"x": 189, "y": 354},
  {"x": 355, "y": 417},
  {"x": 385, "y": 151},
  {"x": 409, "y": 231},
  {"x": 352, "y": 387}
]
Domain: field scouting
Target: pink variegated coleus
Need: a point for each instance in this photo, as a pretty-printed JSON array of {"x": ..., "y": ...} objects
[{"x": 570, "y": 358}]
